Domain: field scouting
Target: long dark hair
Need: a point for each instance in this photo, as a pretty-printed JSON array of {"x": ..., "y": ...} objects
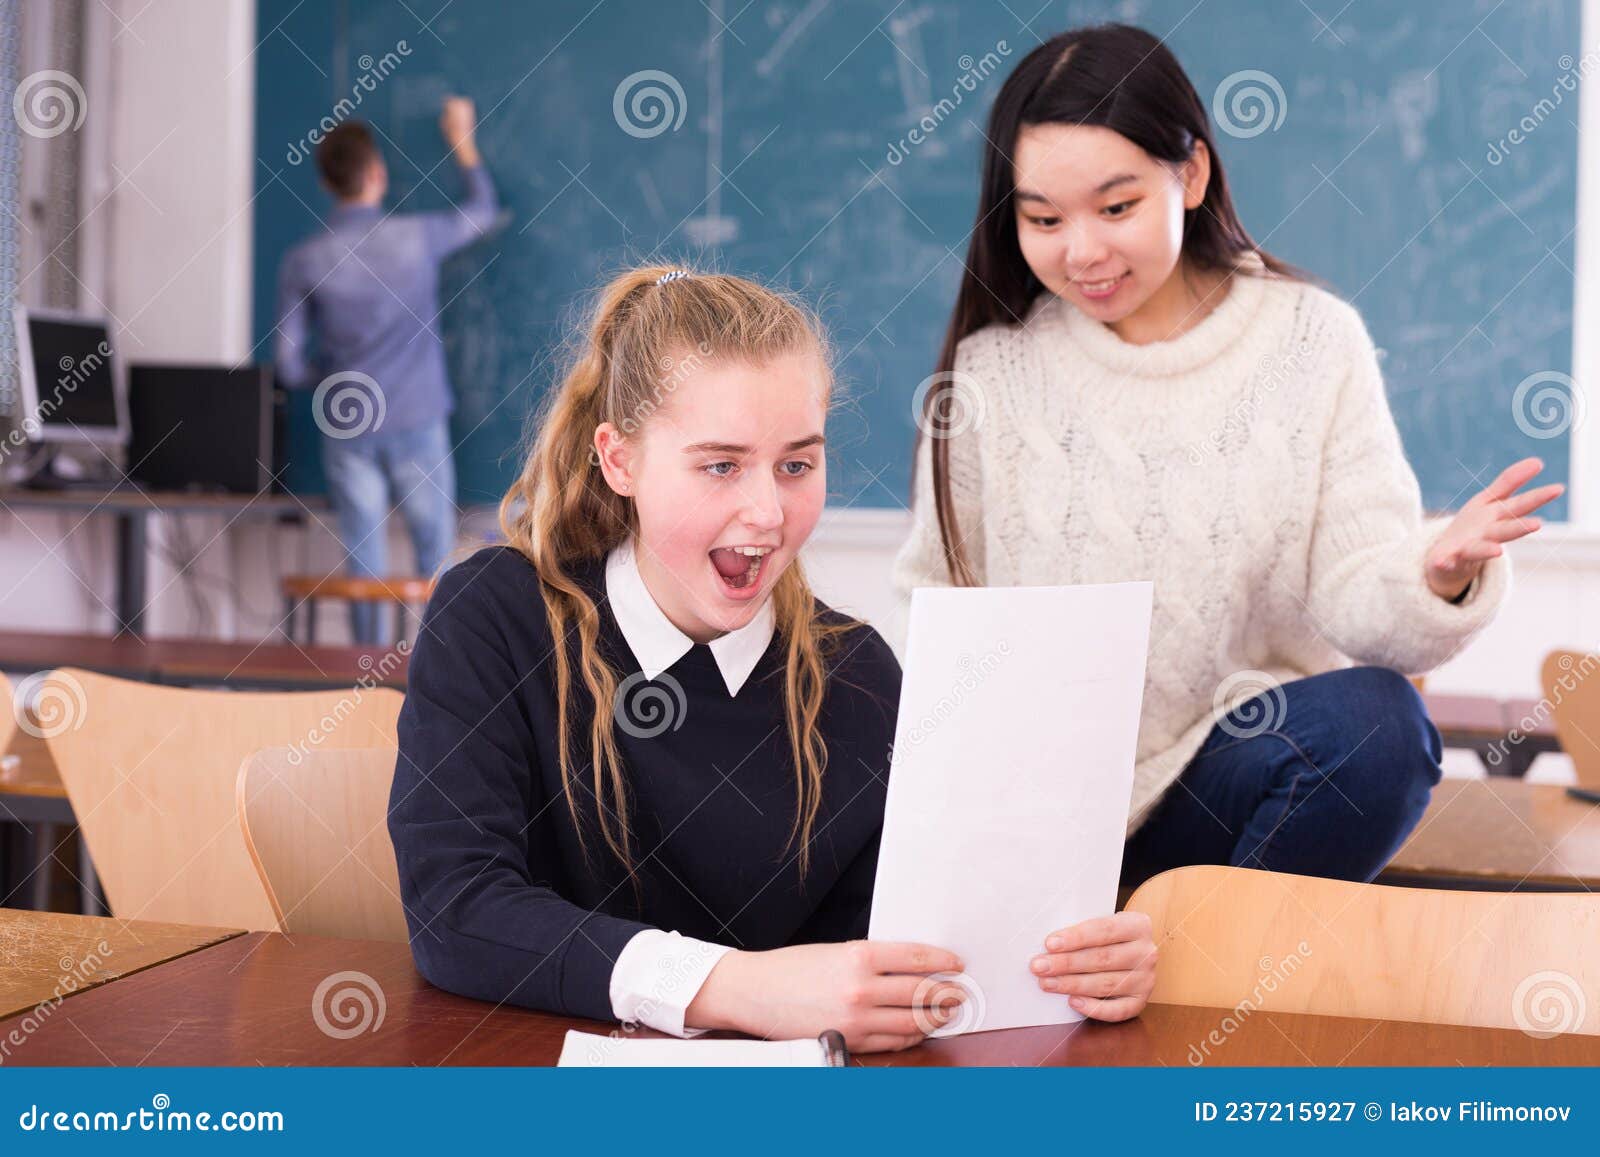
[{"x": 1113, "y": 76}]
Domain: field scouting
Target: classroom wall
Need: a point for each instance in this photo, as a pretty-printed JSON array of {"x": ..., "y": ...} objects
[
  {"x": 165, "y": 243},
  {"x": 182, "y": 72}
]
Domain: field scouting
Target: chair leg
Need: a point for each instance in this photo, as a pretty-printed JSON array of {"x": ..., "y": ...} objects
[
  {"x": 91, "y": 898},
  {"x": 310, "y": 609},
  {"x": 289, "y": 608}
]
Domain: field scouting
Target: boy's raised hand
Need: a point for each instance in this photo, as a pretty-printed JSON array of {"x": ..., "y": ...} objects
[{"x": 458, "y": 122}]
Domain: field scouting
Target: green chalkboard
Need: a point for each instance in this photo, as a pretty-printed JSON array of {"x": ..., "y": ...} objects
[{"x": 1420, "y": 157}]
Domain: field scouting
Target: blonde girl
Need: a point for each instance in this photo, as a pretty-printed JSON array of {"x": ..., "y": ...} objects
[{"x": 642, "y": 768}]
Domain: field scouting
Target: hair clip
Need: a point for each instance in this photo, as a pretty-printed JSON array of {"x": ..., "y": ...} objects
[{"x": 674, "y": 275}]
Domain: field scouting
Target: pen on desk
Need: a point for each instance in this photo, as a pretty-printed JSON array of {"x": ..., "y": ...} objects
[{"x": 834, "y": 1053}]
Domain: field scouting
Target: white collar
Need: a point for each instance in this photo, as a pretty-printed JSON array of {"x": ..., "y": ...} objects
[{"x": 657, "y": 644}]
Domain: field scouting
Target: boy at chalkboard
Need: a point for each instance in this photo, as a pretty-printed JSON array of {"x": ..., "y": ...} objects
[{"x": 366, "y": 289}]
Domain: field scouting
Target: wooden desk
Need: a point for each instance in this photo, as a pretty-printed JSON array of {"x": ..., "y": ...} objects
[
  {"x": 132, "y": 508},
  {"x": 279, "y": 666},
  {"x": 43, "y": 952},
  {"x": 250, "y": 1001},
  {"x": 1501, "y": 835},
  {"x": 31, "y": 787},
  {"x": 1482, "y": 724}
]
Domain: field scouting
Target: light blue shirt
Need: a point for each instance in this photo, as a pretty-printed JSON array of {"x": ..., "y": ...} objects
[{"x": 367, "y": 292}]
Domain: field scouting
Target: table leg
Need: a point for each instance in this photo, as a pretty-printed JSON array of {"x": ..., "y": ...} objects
[
  {"x": 42, "y": 840},
  {"x": 132, "y": 549}
]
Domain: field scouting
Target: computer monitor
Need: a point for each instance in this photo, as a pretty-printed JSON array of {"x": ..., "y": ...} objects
[
  {"x": 70, "y": 386},
  {"x": 201, "y": 427}
]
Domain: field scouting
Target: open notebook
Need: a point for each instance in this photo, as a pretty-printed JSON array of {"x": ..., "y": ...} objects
[{"x": 590, "y": 1050}]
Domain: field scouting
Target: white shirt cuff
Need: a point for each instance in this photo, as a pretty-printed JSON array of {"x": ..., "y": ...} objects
[{"x": 656, "y": 977}]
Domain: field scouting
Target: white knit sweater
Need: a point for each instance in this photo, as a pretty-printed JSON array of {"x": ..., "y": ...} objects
[{"x": 1250, "y": 468}]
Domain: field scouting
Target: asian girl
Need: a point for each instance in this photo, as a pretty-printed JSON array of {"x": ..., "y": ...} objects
[{"x": 1130, "y": 388}]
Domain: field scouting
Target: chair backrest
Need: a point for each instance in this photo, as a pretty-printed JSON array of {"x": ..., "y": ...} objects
[
  {"x": 1246, "y": 940},
  {"x": 9, "y": 708},
  {"x": 316, "y": 824},
  {"x": 1572, "y": 695},
  {"x": 151, "y": 774}
]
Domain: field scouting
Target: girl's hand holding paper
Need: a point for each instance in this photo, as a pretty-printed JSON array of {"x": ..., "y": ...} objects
[{"x": 1106, "y": 967}]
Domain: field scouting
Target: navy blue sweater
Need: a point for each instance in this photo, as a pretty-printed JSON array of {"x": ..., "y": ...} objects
[{"x": 501, "y": 901}]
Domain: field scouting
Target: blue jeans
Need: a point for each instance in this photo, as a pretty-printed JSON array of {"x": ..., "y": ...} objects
[
  {"x": 409, "y": 468},
  {"x": 1324, "y": 776}
]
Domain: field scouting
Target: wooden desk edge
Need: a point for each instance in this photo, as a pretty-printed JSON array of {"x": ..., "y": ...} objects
[{"x": 98, "y": 982}]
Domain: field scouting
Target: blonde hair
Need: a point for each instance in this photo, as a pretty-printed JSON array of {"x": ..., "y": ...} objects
[{"x": 561, "y": 512}]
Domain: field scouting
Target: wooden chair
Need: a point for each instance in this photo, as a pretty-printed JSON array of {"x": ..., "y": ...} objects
[
  {"x": 301, "y": 594},
  {"x": 151, "y": 774},
  {"x": 316, "y": 825},
  {"x": 1571, "y": 682},
  {"x": 1237, "y": 938}
]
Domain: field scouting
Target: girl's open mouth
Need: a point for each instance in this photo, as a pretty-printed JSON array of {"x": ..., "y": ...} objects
[{"x": 739, "y": 567}]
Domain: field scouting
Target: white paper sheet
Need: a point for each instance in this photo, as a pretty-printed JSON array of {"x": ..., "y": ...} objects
[
  {"x": 590, "y": 1050},
  {"x": 1010, "y": 781}
]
